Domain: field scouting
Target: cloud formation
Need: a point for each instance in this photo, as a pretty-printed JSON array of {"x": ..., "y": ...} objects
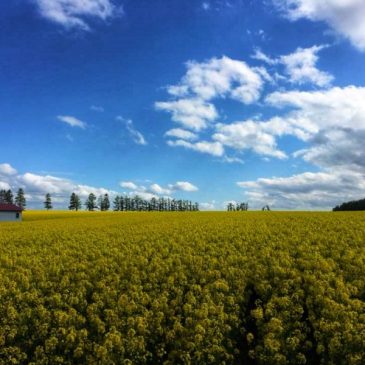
[
  {"x": 345, "y": 17},
  {"x": 309, "y": 190},
  {"x": 37, "y": 185},
  {"x": 299, "y": 66},
  {"x": 72, "y": 121},
  {"x": 136, "y": 135},
  {"x": 155, "y": 190},
  {"x": 71, "y": 14}
]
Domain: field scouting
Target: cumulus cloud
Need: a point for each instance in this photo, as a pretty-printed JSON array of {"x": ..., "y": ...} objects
[
  {"x": 211, "y": 148},
  {"x": 191, "y": 104},
  {"x": 72, "y": 13},
  {"x": 128, "y": 185},
  {"x": 309, "y": 190},
  {"x": 183, "y": 186},
  {"x": 346, "y": 17},
  {"x": 315, "y": 110},
  {"x": 208, "y": 205},
  {"x": 299, "y": 66},
  {"x": 193, "y": 114},
  {"x": 6, "y": 169},
  {"x": 220, "y": 77},
  {"x": 156, "y": 190},
  {"x": 332, "y": 123},
  {"x": 72, "y": 121},
  {"x": 181, "y": 134},
  {"x": 248, "y": 135},
  {"x": 37, "y": 185}
]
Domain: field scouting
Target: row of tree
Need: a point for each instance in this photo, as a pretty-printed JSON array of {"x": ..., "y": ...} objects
[
  {"x": 238, "y": 207},
  {"x": 135, "y": 203},
  {"x": 7, "y": 197},
  {"x": 353, "y": 205},
  {"x": 120, "y": 203},
  {"x": 126, "y": 203}
]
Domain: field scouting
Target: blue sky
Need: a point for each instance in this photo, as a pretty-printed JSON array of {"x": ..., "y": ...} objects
[{"x": 215, "y": 101}]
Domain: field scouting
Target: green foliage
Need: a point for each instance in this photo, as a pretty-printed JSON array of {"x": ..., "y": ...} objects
[
  {"x": 48, "y": 202},
  {"x": 352, "y": 205},
  {"x": 192, "y": 288},
  {"x": 20, "y": 200}
]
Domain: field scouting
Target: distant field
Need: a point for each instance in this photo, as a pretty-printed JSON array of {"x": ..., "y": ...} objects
[{"x": 183, "y": 288}]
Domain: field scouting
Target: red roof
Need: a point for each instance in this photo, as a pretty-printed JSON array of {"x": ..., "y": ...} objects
[{"x": 9, "y": 208}]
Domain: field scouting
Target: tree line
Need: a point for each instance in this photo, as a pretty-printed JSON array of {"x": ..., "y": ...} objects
[
  {"x": 7, "y": 197},
  {"x": 352, "y": 205},
  {"x": 136, "y": 203},
  {"x": 238, "y": 207}
]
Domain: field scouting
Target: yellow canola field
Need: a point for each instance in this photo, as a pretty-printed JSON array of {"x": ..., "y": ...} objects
[{"x": 183, "y": 288}]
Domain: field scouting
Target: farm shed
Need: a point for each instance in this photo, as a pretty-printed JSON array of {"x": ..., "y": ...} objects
[{"x": 10, "y": 213}]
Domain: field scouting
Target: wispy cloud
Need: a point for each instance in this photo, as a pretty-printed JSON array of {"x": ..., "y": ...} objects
[
  {"x": 136, "y": 136},
  {"x": 72, "y": 13},
  {"x": 97, "y": 108},
  {"x": 72, "y": 121}
]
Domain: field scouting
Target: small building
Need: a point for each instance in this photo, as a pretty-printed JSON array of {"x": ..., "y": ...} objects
[{"x": 10, "y": 213}]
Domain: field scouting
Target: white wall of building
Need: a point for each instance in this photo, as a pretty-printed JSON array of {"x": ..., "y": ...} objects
[{"x": 10, "y": 217}]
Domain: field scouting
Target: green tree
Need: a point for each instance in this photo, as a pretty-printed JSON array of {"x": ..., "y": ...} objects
[
  {"x": 75, "y": 202},
  {"x": 20, "y": 200},
  {"x": 48, "y": 202},
  {"x": 116, "y": 203},
  {"x": 91, "y": 202},
  {"x": 103, "y": 202}
]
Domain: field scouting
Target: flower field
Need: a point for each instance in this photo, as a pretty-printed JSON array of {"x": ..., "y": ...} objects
[{"x": 183, "y": 288}]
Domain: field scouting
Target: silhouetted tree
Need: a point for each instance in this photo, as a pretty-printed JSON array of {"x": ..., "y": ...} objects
[
  {"x": 91, "y": 202},
  {"x": 75, "y": 202},
  {"x": 352, "y": 205},
  {"x": 20, "y": 200},
  {"x": 48, "y": 202}
]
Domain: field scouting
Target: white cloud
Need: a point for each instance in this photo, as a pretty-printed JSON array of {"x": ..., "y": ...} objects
[
  {"x": 229, "y": 159},
  {"x": 208, "y": 206},
  {"x": 4, "y": 185},
  {"x": 205, "y": 5},
  {"x": 299, "y": 66},
  {"x": 137, "y": 136},
  {"x": 183, "y": 186},
  {"x": 193, "y": 114},
  {"x": 97, "y": 108},
  {"x": 211, "y": 148},
  {"x": 248, "y": 135},
  {"x": 72, "y": 121},
  {"x": 128, "y": 185},
  {"x": 72, "y": 13},
  {"x": 220, "y": 77},
  {"x": 155, "y": 190},
  {"x": 345, "y": 17},
  {"x": 181, "y": 134},
  {"x": 36, "y": 186},
  {"x": 315, "y": 110},
  {"x": 6, "y": 169},
  {"x": 309, "y": 190},
  {"x": 203, "y": 82}
]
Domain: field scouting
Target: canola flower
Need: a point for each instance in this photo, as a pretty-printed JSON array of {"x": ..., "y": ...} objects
[{"x": 183, "y": 288}]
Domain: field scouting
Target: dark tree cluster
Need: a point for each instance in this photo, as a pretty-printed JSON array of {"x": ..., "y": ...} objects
[
  {"x": 7, "y": 197},
  {"x": 238, "y": 207},
  {"x": 348, "y": 206},
  {"x": 136, "y": 203}
]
